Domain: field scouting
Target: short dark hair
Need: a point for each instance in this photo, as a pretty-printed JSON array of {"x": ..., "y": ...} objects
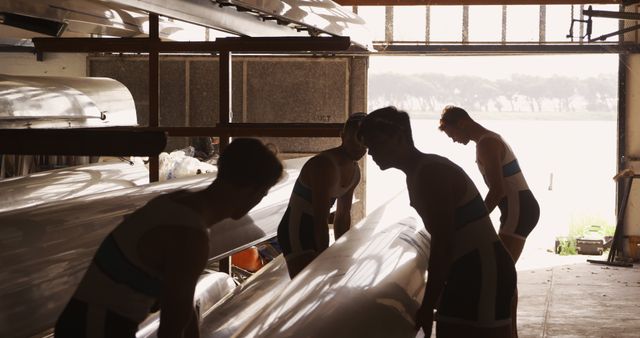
[
  {"x": 353, "y": 122},
  {"x": 451, "y": 115},
  {"x": 386, "y": 121},
  {"x": 247, "y": 162}
]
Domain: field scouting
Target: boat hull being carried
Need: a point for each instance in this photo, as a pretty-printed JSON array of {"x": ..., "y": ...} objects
[
  {"x": 369, "y": 283},
  {"x": 246, "y": 301}
]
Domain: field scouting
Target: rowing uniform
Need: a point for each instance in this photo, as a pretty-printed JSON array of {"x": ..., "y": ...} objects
[
  {"x": 482, "y": 277},
  {"x": 519, "y": 210},
  {"x": 296, "y": 234},
  {"x": 118, "y": 291}
]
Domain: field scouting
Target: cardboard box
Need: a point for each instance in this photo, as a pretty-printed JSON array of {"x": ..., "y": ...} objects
[{"x": 589, "y": 246}]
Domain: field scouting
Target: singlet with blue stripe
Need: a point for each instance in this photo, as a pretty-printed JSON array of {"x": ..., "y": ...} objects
[
  {"x": 296, "y": 232},
  {"x": 519, "y": 209},
  {"x": 482, "y": 277},
  {"x": 117, "y": 279}
]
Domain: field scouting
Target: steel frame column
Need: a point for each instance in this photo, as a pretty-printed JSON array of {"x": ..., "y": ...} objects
[
  {"x": 503, "y": 33},
  {"x": 154, "y": 89},
  {"x": 622, "y": 125},
  {"x": 225, "y": 77},
  {"x": 427, "y": 29},
  {"x": 225, "y": 264},
  {"x": 623, "y": 61},
  {"x": 388, "y": 24},
  {"x": 542, "y": 24},
  {"x": 581, "y": 27},
  {"x": 465, "y": 24}
]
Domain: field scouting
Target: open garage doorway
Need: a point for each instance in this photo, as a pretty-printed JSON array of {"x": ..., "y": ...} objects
[{"x": 558, "y": 113}]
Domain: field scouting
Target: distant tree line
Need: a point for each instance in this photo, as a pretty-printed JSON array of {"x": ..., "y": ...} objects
[{"x": 429, "y": 92}]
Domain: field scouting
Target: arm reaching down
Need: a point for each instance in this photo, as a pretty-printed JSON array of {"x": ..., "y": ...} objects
[
  {"x": 342, "y": 221},
  {"x": 436, "y": 206},
  {"x": 490, "y": 156},
  {"x": 185, "y": 260},
  {"x": 322, "y": 178}
]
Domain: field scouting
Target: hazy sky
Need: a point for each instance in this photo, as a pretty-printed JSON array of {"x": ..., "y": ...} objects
[{"x": 494, "y": 67}]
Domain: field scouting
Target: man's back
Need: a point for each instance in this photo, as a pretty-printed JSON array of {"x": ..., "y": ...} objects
[
  {"x": 480, "y": 274},
  {"x": 472, "y": 225},
  {"x": 130, "y": 284}
]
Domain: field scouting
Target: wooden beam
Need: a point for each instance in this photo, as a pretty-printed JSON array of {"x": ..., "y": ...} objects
[
  {"x": 259, "y": 129},
  {"x": 82, "y": 142},
  {"x": 90, "y": 45},
  {"x": 611, "y": 14},
  {"x": 283, "y": 44},
  {"x": 469, "y": 2},
  {"x": 142, "y": 141},
  {"x": 234, "y": 44}
]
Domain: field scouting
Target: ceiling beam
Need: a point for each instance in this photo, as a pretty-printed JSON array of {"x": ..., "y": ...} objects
[
  {"x": 469, "y": 2},
  {"x": 514, "y": 49}
]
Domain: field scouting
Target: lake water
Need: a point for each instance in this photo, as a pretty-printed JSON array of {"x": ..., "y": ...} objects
[{"x": 569, "y": 166}]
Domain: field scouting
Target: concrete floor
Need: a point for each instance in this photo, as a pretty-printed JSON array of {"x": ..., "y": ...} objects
[
  {"x": 564, "y": 296},
  {"x": 579, "y": 300}
]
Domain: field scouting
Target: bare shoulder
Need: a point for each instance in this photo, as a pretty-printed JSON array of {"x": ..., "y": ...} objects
[
  {"x": 319, "y": 166},
  {"x": 436, "y": 175},
  {"x": 323, "y": 159},
  {"x": 490, "y": 145},
  {"x": 320, "y": 161},
  {"x": 434, "y": 168},
  {"x": 490, "y": 142}
]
